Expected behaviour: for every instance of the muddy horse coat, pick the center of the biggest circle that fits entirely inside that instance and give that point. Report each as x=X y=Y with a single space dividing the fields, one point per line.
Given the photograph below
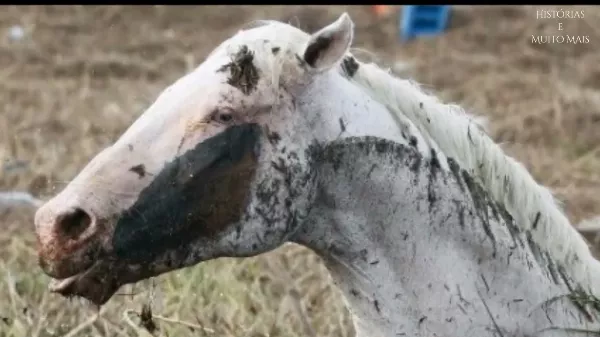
x=281 y=136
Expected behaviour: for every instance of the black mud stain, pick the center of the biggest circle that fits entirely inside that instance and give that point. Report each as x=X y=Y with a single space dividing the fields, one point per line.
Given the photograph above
x=243 y=74
x=583 y=300
x=494 y=210
x=350 y=66
x=376 y=304
x=455 y=170
x=373 y=167
x=552 y=268
x=565 y=278
x=139 y=169
x=435 y=162
x=485 y=283
x=434 y=167
x=340 y=150
x=413 y=141
x=342 y=125
x=293 y=175
x=568 y=283
x=198 y=194
x=335 y=157
x=381 y=147
x=482 y=202
x=469 y=134
x=537 y=220
x=513 y=229
x=461 y=213
x=363 y=254
x=415 y=165
x=273 y=137
x=535 y=250
x=314 y=50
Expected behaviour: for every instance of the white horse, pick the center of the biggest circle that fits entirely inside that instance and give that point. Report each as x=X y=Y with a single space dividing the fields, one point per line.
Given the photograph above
x=280 y=136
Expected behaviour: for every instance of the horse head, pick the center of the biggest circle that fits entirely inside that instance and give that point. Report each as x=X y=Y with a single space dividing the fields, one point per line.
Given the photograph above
x=221 y=164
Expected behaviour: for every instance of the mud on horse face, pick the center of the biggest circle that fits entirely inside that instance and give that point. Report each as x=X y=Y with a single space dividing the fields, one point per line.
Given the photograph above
x=222 y=164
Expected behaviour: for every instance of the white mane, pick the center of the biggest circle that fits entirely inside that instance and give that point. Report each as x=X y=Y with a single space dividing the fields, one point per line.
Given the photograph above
x=456 y=134
x=459 y=136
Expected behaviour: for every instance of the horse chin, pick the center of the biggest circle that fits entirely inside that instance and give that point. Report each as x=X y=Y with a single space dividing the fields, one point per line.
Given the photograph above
x=93 y=284
x=99 y=283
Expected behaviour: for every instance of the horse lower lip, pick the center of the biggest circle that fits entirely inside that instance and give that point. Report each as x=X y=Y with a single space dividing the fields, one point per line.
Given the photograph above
x=92 y=284
x=67 y=285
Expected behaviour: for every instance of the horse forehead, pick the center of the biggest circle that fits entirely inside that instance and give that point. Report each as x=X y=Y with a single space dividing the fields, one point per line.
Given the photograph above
x=207 y=78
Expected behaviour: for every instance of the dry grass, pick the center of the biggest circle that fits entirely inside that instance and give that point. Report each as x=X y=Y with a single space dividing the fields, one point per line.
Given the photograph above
x=81 y=75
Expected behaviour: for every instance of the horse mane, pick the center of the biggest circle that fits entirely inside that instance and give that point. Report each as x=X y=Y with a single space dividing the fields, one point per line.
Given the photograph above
x=460 y=136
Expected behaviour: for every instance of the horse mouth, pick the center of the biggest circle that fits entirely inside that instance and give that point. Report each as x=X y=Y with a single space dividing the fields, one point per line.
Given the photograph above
x=96 y=284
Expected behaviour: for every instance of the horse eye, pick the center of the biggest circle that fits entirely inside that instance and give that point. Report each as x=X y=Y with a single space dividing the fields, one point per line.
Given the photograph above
x=223 y=116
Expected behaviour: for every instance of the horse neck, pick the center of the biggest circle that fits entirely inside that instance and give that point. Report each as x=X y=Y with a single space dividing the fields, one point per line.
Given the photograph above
x=402 y=240
x=385 y=221
x=351 y=226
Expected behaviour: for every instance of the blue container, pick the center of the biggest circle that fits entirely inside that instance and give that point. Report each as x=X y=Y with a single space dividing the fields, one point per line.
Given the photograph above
x=423 y=20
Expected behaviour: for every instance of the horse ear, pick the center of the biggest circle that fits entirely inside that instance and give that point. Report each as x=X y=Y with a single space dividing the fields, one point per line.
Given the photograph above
x=329 y=45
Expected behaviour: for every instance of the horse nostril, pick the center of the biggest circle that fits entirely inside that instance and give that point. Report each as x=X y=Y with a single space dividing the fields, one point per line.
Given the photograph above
x=73 y=224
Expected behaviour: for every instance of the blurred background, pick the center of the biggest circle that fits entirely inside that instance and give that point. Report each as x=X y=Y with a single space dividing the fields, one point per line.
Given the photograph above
x=74 y=78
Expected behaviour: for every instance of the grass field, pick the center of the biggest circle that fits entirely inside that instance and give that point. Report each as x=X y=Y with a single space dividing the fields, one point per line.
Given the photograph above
x=80 y=75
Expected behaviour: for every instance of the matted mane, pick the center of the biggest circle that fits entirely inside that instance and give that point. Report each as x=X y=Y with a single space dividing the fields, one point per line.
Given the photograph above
x=459 y=136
